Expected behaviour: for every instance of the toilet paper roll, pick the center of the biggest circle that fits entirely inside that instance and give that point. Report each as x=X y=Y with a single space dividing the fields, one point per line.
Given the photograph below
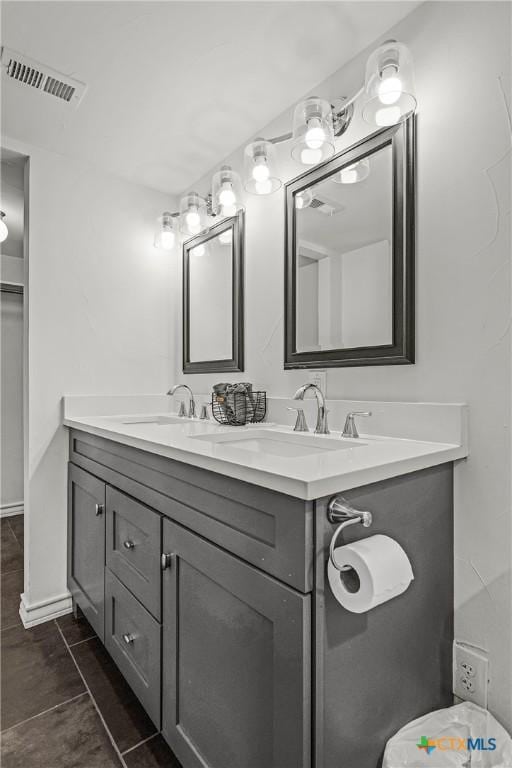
x=381 y=571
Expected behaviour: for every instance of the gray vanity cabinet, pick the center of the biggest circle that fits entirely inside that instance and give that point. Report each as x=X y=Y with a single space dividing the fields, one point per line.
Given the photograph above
x=210 y=594
x=235 y=660
x=86 y=545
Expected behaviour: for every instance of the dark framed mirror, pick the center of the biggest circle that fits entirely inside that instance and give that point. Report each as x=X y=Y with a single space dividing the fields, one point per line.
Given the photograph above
x=213 y=299
x=349 y=272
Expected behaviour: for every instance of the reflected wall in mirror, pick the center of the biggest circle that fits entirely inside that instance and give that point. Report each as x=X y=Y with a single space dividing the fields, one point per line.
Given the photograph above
x=213 y=299
x=344 y=269
x=350 y=256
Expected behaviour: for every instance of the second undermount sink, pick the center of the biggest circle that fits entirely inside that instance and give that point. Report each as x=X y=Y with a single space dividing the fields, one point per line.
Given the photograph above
x=161 y=420
x=280 y=443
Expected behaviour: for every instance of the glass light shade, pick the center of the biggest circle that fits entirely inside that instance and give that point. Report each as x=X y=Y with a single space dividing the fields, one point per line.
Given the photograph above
x=389 y=93
x=199 y=250
x=313 y=132
x=193 y=215
x=352 y=174
x=165 y=235
x=261 y=176
x=226 y=192
x=3 y=228
x=226 y=237
x=303 y=199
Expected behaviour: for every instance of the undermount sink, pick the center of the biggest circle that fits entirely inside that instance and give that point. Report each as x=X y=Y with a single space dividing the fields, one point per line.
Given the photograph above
x=280 y=443
x=161 y=420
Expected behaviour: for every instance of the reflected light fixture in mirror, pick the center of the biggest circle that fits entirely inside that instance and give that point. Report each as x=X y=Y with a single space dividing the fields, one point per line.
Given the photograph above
x=199 y=250
x=193 y=215
x=3 y=228
x=226 y=192
x=165 y=236
x=313 y=132
x=354 y=173
x=261 y=176
x=389 y=85
x=303 y=199
x=226 y=237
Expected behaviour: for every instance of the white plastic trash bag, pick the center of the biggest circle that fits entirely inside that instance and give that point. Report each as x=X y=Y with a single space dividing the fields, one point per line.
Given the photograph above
x=464 y=736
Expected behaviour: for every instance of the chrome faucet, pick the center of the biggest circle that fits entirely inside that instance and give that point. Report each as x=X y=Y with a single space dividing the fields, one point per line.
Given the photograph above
x=321 y=420
x=192 y=403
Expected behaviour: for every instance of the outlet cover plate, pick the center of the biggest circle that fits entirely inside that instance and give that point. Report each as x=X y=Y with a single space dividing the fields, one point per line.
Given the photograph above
x=320 y=379
x=470 y=673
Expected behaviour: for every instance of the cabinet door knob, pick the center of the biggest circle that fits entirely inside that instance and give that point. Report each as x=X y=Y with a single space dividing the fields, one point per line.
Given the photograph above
x=128 y=639
x=166 y=561
x=100 y=508
x=129 y=544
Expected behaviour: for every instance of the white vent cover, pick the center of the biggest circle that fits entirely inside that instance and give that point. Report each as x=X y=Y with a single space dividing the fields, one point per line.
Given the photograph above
x=32 y=74
x=326 y=205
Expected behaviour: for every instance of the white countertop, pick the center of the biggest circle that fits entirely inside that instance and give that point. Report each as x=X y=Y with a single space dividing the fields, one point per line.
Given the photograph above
x=370 y=459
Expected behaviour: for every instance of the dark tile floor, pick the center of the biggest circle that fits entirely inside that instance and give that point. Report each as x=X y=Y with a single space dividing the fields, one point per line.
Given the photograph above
x=64 y=704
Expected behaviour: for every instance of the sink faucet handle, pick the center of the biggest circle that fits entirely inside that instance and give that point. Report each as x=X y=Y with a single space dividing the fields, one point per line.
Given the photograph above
x=300 y=423
x=182 y=411
x=204 y=411
x=350 y=429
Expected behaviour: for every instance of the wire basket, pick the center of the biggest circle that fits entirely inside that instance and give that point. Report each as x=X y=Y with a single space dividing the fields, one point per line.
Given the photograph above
x=239 y=408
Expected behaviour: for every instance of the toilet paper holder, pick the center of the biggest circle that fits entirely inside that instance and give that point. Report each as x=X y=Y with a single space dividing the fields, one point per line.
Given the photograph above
x=341 y=512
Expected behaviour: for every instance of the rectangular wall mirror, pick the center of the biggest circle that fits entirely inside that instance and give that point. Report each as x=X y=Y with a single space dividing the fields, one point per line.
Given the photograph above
x=350 y=256
x=213 y=332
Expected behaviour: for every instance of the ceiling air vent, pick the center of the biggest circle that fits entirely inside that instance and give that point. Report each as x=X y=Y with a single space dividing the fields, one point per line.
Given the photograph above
x=32 y=74
x=326 y=205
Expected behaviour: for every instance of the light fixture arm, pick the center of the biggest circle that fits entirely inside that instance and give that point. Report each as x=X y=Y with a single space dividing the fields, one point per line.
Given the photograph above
x=341 y=117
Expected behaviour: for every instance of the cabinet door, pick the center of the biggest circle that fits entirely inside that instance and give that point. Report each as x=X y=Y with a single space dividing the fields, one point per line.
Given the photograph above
x=86 y=545
x=236 y=661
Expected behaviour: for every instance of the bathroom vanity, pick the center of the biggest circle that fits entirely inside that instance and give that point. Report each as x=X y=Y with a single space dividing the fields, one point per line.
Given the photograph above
x=210 y=594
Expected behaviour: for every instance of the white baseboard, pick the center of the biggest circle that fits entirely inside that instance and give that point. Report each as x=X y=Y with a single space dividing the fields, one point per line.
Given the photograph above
x=8 y=510
x=45 y=610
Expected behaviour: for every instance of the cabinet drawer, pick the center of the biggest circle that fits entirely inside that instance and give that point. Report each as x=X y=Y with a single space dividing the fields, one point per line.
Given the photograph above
x=132 y=637
x=133 y=547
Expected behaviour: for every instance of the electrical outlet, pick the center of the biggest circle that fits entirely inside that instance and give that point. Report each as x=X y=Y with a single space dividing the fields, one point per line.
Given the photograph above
x=320 y=379
x=470 y=673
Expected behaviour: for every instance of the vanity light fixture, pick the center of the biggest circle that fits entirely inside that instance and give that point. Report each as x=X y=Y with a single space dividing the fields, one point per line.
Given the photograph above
x=313 y=131
x=3 y=228
x=303 y=199
x=165 y=236
x=260 y=168
x=193 y=214
x=389 y=85
x=387 y=97
x=226 y=192
x=354 y=173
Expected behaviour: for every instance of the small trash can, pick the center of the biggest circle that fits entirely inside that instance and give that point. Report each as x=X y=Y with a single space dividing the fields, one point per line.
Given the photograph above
x=463 y=736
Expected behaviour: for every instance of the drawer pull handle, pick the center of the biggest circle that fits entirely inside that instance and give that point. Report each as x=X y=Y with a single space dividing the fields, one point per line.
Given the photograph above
x=129 y=544
x=128 y=639
x=166 y=561
x=100 y=508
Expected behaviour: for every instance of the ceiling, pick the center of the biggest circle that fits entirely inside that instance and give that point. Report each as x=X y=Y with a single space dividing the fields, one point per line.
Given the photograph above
x=173 y=87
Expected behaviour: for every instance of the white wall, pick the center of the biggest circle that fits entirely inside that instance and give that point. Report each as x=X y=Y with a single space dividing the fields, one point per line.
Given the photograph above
x=99 y=322
x=462 y=56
